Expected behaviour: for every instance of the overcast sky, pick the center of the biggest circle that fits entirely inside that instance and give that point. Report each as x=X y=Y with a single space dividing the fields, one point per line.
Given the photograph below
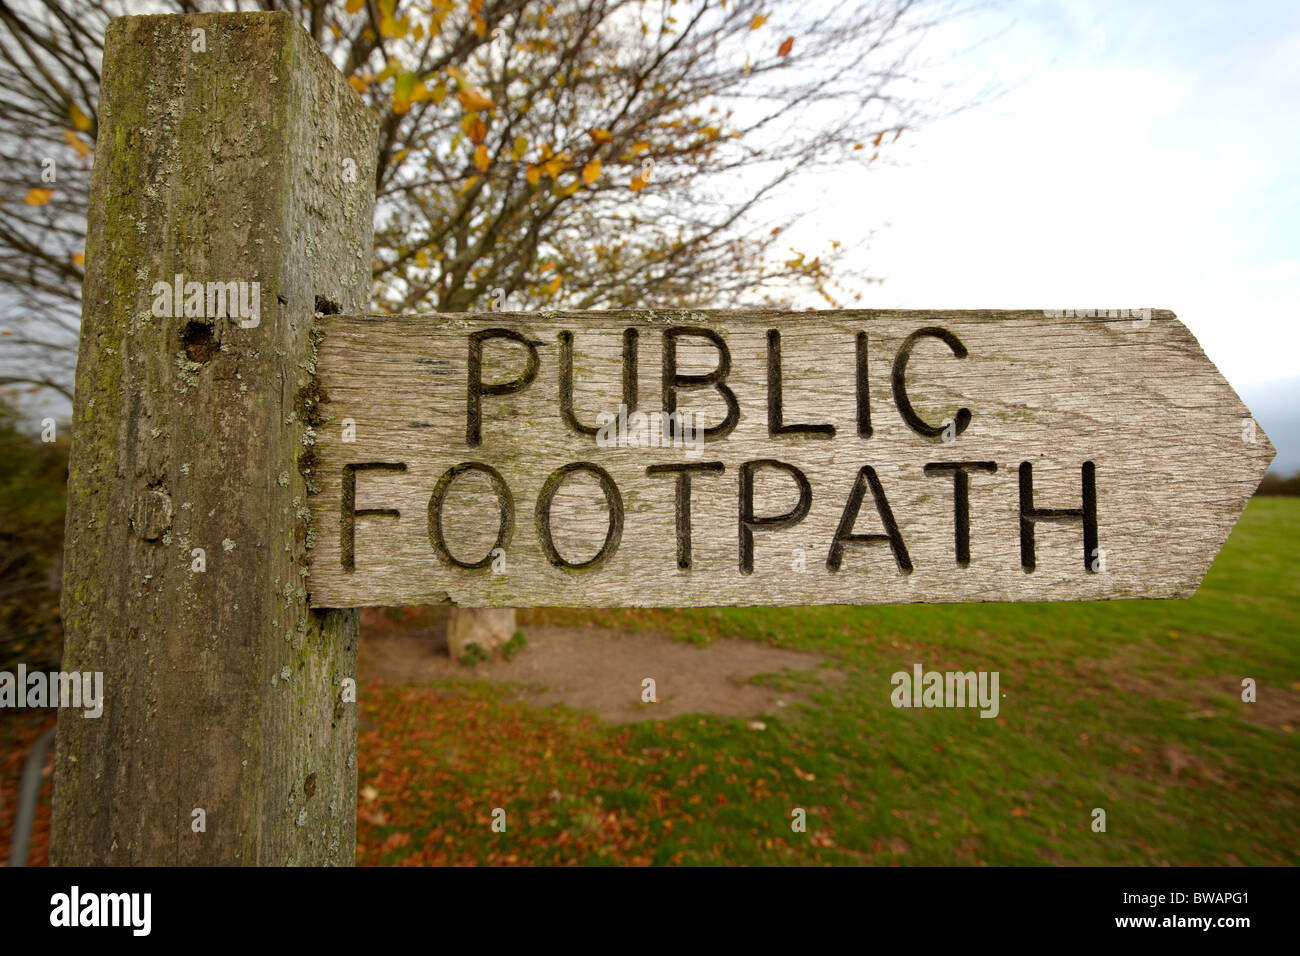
x=1142 y=154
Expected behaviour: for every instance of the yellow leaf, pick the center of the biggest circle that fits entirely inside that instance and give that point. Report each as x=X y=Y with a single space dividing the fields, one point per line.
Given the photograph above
x=439 y=92
x=638 y=148
x=334 y=29
x=422 y=259
x=556 y=165
x=601 y=135
x=472 y=101
x=546 y=268
x=79 y=119
x=533 y=174
x=638 y=183
x=358 y=83
x=474 y=7
x=521 y=147
x=786 y=47
x=76 y=143
x=354 y=5
x=38 y=197
x=394 y=29
x=555 y=284
x=469 y=184
x=420 y=93
x=757 y=22
x=480 y=27
x=456 y=73
x=591 y=172
x=78 y=259
x=481 y=160
x=478 y=130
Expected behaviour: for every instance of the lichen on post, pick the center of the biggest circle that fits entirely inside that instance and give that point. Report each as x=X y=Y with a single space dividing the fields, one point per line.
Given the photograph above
x=231 y=201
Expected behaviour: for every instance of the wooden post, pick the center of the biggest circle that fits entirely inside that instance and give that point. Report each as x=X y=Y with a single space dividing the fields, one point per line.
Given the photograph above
x=488 y=627
x=231 y=154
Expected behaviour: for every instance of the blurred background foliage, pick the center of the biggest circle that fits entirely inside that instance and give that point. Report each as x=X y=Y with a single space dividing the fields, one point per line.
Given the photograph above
x=32 y=497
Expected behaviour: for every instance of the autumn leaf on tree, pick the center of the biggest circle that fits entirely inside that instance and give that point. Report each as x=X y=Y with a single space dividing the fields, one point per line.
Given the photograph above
x=601 y=135
x=757 y=22
x=481 y=160
x=394 y=29
x=591 y=172
x=76 y=143
x=473 y=100
x=403 y=87
x=38 y=197
x=353 y=6
x=556 y=165
x=79 y=119
x=786 y=47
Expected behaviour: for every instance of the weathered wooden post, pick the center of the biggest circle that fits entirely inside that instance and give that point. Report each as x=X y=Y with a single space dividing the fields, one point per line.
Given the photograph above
x=232 y=198
x=489 y=628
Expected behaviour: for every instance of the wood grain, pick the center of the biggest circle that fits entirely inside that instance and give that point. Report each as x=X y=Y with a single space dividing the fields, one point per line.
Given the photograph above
x=222 y=685
x=1164 y=433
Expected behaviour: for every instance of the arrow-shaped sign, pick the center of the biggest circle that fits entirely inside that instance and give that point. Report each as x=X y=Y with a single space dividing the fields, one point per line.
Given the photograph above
x=676 y=458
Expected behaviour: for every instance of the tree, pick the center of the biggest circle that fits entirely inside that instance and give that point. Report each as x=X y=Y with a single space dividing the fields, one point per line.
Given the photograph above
x=575 y=153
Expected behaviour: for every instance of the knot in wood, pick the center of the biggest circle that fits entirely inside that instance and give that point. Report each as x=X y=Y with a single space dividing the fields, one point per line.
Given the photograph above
x=151 y=515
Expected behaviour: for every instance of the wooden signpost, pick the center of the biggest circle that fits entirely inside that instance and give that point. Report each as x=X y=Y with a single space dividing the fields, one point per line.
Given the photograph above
x=817 y=458
x=240 y=477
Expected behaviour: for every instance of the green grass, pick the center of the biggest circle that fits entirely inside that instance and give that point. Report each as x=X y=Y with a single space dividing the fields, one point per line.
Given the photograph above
x=1133 y=707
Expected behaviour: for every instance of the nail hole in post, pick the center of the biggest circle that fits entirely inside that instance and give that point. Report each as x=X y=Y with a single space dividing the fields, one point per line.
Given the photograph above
x=199 y=342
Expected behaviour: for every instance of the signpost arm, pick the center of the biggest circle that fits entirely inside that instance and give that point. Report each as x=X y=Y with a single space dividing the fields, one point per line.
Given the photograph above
x=231 y=200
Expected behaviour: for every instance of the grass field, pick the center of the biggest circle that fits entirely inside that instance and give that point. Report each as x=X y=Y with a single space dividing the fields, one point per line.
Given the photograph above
x=1131 y=707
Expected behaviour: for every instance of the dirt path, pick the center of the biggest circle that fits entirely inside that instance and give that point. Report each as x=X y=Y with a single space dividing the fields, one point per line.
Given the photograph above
x=602 y=670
